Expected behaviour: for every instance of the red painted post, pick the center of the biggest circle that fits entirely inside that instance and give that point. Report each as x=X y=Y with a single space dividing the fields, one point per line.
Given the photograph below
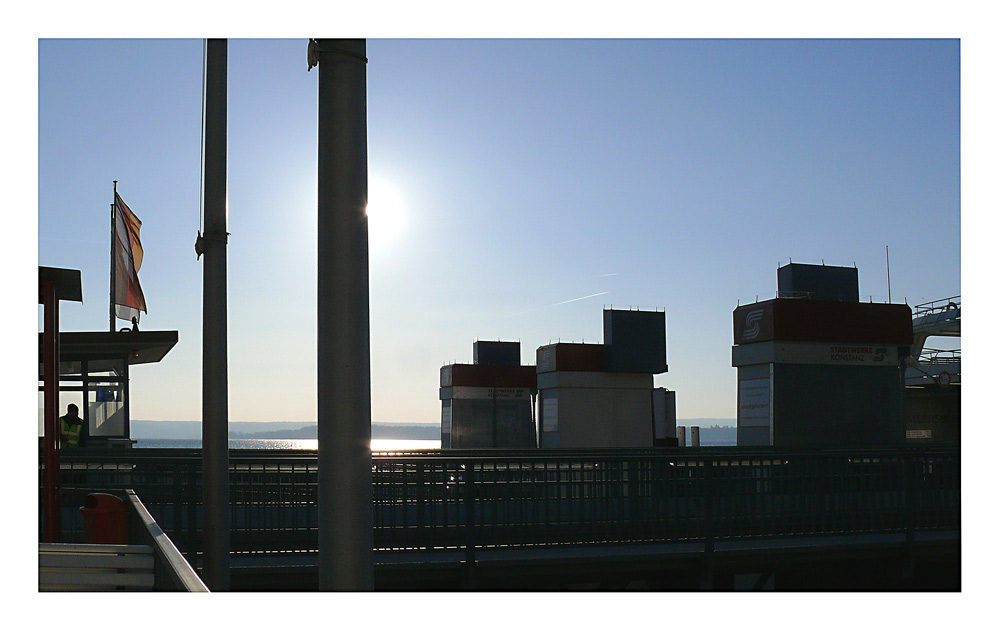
x=50 y=359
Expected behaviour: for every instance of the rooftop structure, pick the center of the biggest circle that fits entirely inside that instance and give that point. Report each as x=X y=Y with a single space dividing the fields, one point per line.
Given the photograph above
x=602 y=395
x=818 y=282
x=820 y=372
x=488 y=404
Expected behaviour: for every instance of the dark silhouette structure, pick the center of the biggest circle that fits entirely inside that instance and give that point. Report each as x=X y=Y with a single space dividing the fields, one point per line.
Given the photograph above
x=215 y=370
x=342 y=337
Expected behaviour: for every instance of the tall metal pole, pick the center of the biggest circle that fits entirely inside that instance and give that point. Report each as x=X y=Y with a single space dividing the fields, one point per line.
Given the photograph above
x=888 y=281
x=346 y=560
x=50 y=357
x=215 y=377
x=114 y=234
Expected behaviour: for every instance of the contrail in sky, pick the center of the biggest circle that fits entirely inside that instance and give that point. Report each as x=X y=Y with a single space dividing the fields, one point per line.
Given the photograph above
x=575 y=299
x=603 y=275
x=556 y=304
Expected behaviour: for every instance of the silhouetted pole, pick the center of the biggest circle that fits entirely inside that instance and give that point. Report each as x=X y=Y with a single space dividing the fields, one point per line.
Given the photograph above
x=50 y=359
x=346 y=560
x=215 y=375
x=888 y=280
x=111 y=307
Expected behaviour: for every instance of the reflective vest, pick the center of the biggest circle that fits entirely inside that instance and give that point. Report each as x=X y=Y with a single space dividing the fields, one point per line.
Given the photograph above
x=70 y=433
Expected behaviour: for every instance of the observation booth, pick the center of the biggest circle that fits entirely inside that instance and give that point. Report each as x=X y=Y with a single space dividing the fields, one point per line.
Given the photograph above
x=93 y=373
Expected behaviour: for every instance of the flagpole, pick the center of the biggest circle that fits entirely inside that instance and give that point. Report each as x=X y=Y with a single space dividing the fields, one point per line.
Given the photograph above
x=111 y=306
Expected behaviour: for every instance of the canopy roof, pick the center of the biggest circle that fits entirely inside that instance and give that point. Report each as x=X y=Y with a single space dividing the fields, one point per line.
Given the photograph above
x=139 y=347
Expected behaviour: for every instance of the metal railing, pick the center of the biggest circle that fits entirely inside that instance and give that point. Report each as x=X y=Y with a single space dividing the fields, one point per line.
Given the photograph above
x=936 y=306
x=940 y=356
x=468 y=499
x=171 y=571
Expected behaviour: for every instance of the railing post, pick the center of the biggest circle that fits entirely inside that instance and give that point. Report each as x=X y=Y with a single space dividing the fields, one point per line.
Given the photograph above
x=708 y=497
x=631 y=494
x=176 y=474
x=469 y=489
x=909 y=492
x=193 y=493
x=421 y=507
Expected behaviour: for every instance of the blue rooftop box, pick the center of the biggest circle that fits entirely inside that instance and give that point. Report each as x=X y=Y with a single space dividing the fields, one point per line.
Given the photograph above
x=635 y=341
x=496 y=353
x=818 y=282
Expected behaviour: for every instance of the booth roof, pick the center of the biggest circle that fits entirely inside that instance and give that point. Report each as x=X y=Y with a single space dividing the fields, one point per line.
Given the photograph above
x=140 y=347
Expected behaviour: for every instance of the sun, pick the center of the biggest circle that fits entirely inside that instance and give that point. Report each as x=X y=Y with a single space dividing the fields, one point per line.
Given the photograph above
x=386 y=215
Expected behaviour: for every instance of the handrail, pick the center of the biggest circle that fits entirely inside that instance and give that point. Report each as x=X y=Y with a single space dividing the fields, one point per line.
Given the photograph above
x=940 y=356
x=942 y=304
x=170 y=564
x=450 y=498
x=192 y=455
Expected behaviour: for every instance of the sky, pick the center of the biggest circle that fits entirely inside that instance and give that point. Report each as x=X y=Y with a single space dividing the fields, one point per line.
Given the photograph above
x=517 y=188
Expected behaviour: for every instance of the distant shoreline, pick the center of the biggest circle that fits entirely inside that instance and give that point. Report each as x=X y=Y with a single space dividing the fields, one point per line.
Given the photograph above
x=179 y=430
x=712 y=429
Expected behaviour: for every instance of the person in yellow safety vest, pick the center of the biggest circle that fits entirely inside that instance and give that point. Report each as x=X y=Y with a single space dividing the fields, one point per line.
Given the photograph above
x=70 y=426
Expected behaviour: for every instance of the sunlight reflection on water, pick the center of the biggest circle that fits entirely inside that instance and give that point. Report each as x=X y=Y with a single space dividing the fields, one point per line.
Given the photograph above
x=378 y=444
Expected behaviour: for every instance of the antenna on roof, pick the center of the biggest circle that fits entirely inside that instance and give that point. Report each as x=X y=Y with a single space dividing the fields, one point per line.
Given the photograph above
x=887 y=281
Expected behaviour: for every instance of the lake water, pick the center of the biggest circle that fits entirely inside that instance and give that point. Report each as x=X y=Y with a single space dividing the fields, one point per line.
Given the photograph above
x=378 y=444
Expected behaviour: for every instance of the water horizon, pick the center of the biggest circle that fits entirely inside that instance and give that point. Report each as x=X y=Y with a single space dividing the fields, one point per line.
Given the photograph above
x=307 y=444
x=377 y=444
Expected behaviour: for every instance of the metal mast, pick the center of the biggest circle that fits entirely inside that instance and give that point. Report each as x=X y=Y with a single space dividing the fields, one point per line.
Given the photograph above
x=215 y=376
x=114 y=234
x=346 y=560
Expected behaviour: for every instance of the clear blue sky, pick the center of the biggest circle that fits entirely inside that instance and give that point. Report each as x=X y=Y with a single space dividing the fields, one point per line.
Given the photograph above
x=506 y=176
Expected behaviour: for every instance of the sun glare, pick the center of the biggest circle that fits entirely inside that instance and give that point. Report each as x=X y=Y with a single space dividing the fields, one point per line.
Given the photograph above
x=386 y=215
